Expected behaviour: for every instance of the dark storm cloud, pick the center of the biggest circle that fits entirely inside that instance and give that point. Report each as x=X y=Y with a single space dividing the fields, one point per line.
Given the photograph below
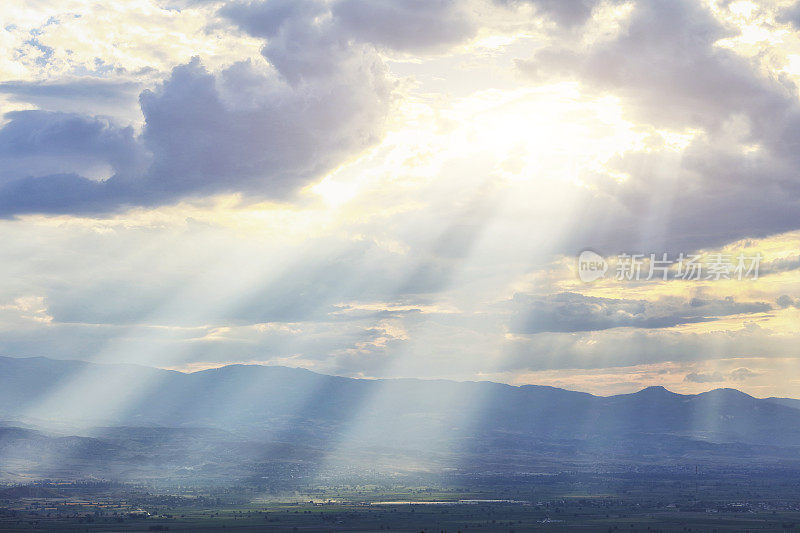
x=572 y=312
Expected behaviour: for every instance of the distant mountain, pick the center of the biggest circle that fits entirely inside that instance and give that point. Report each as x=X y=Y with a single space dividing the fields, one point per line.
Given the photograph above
x=249 y=414
x=788 y=402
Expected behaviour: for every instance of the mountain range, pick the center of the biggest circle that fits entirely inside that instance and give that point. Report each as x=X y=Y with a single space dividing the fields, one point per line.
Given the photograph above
x=127 y=420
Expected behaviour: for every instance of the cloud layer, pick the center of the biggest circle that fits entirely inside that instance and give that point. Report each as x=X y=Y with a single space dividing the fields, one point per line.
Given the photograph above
x=571 y=312
x=400 y=188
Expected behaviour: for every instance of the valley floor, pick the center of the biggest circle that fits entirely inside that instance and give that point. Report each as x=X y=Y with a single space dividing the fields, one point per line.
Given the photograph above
x=637 y=507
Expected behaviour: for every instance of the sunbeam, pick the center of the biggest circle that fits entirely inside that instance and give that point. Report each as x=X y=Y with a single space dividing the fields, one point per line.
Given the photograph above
x=364 y=265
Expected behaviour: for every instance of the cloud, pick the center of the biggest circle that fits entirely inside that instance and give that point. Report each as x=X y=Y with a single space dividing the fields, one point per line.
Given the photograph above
x=790 y=14
x=572 y=312
x=406 y=25
x=737 y=374
x=442 y=219
x=627 y=346
x=242 y=130
x=700 y=377
x=93 y=96
x=247 y=131
x=670 y=73
x=668 y=69
x=264 y=131
x=36 y=143
x=785 y=264
x=58 y=193
x=742 y=374
x=566 y=13
x=400 y=25
x=785 y=301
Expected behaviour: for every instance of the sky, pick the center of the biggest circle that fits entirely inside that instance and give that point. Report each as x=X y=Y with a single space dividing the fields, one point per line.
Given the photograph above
x=405 y=188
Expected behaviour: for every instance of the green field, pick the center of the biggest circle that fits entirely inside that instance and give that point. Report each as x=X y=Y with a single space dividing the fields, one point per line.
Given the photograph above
x=575 y=506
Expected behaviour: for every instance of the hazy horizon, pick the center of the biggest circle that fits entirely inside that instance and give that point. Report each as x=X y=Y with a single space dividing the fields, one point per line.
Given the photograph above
x=267 y=365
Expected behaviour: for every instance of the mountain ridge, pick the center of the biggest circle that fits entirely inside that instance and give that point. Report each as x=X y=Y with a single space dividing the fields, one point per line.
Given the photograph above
x=128 y=418
x=650 y=389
